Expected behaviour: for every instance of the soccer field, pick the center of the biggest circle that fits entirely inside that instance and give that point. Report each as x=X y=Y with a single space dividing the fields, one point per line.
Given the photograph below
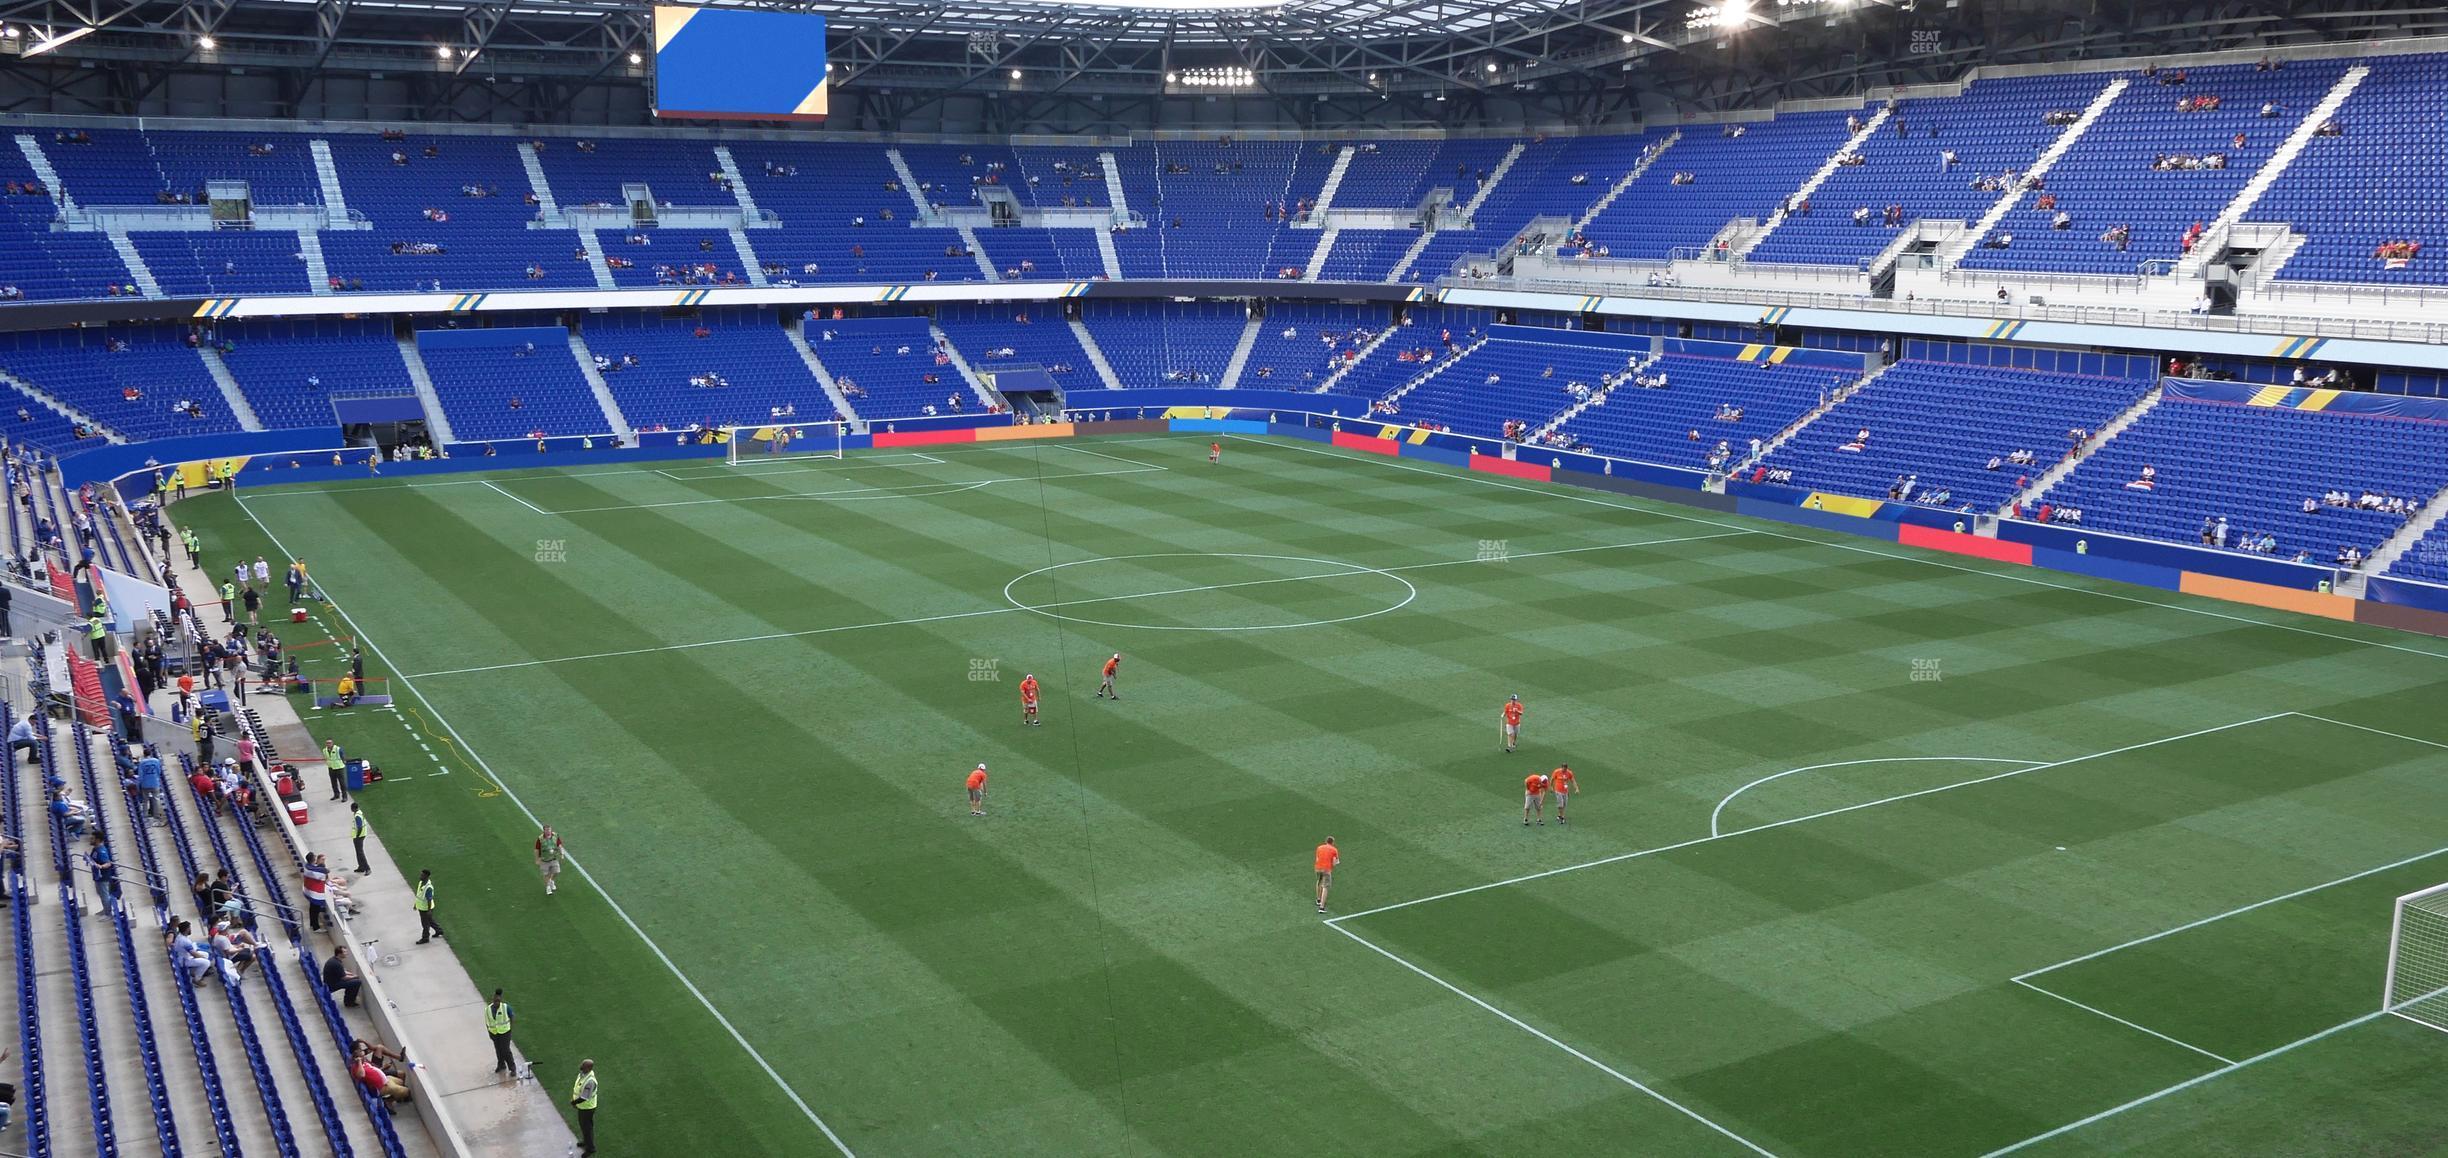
x=1881 y=852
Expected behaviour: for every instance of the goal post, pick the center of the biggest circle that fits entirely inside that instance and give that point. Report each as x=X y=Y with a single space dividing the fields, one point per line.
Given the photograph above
x=775 y=441
x=2417 y=985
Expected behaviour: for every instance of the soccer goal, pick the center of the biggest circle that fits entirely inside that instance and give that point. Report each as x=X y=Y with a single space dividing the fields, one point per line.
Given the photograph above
x=2417 y=987
x=774 y=441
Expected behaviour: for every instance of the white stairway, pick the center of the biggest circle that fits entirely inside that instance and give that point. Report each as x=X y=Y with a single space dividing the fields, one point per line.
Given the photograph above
x=1334 y=181
x=797 y=337
x=243 y=410
x=1617 y=190
x=58 y=407
x=1366 y=348
x=1240 y=355
x=1496 y=176
x=1402 y=265
x=1110 y=256
x=327 y=173
x=318 y=272
x=1113 y=186
x=435 y=420
x=977 y=253
x=1317 y=259
x=751 y=266
x=539 y=184
x=1096 y=355
x=2386 y=554
x=739 y=184
x=40 y=162
x=2272 y=169
x=138 y=271
x=1597 y=397
x=909 y=185
x=595 y=259
x=614 y=420
x=2056 y=473
x=1811 y=185
x=1971 y=236
x=977 y=385
x=1397 y=394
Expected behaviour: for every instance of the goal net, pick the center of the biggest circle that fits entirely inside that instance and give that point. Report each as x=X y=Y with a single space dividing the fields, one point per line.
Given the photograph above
x=781 y=440
x=2417 y=987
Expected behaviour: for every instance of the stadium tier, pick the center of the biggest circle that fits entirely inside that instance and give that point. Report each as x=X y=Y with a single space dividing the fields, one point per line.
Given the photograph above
x=2212 y=453
x=1962 y=434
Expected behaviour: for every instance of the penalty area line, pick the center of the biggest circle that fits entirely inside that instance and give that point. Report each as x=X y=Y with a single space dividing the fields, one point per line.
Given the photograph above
x=1793 y=820
x=1550 y=1039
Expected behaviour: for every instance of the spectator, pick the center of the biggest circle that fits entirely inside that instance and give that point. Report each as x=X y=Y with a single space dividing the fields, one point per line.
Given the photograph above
x=186 y=954
x=339 y=978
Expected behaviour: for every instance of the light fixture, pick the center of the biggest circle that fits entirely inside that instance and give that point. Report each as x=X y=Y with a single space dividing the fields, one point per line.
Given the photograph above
x=1627 y=38
x=8 y=32
x=207 y=43
x=1491 y=66
x=634 y=58
x=1172 y=78
x=443 y=51
x=1372 y=78
x=1727 y=14
x=1230 y=77
x=1015 y=74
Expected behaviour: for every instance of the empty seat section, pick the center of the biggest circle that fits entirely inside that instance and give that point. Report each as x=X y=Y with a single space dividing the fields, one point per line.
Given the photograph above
x=725 y=368
x=2108 y=177
x=1945 y=423
x=1168 y=343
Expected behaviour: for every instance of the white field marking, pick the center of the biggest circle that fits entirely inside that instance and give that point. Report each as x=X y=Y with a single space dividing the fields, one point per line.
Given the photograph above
x=274 y=490
x=2374 y=731
x=514 y=498
x=1926 y=560
x=2234 y=912
x=1046 y=609
x=1729 y=797
x=1542 y=1035
x=851 y=494
x=573 y=861
x=857 y=493
x=741 y=469
x=925 y=619
x=2221 y=1072
x=1637 y=854
x=2128 y=1024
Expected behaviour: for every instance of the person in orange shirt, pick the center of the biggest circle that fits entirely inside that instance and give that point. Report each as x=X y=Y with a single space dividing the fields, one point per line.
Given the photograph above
x=1028 y=699
x=1512 y=723
x=1105 y=688
x=977 y=791
x=1561 y=783
x=1215 y=452
x=1534 y=798
x=1328 y=856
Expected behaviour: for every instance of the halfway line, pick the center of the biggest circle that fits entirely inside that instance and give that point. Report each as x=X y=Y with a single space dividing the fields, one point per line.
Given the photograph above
x=769 y=637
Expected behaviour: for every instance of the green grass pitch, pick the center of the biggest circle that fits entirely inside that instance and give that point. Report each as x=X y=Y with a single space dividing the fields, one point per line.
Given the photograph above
x=1880 y=852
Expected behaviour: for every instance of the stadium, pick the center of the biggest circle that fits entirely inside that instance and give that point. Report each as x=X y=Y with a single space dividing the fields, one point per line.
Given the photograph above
x=877 y=577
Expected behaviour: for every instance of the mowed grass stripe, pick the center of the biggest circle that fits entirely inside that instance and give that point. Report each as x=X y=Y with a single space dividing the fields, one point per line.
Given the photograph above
x=1897 y=892
x=1682 y=667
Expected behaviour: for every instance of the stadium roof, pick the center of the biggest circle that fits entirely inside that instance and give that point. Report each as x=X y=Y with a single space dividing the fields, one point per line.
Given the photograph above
x=1002 y=66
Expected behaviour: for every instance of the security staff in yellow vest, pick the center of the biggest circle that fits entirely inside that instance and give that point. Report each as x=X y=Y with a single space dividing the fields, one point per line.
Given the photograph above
x=427 y=930
x=497 y=1025
x=582 y=1098
x=97 y=632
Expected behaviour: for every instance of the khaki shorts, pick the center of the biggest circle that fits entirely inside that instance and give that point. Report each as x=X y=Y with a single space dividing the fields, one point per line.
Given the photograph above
x=1325 y=876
